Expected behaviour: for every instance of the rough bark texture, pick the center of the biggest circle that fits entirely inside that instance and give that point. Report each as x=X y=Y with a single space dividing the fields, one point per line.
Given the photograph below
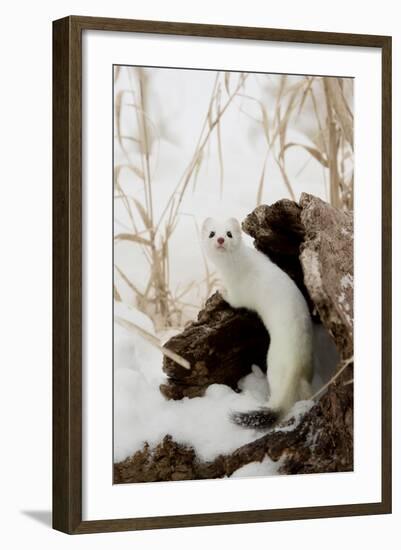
x=313 y=243
x=221 y=347
x=171 y=461
x=327 y=264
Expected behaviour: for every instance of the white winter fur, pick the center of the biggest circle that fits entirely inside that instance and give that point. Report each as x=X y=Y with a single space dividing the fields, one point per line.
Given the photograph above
x=254 y=282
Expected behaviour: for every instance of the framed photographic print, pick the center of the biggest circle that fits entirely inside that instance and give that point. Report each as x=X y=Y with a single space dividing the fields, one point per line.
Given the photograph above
x=222 y=274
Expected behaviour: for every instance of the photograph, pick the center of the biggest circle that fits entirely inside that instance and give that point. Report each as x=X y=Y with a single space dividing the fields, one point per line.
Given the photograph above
x=232 y=274
x=203 y=209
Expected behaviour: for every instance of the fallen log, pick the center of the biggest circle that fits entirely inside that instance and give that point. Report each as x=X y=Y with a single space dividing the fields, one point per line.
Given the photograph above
x=221 y=346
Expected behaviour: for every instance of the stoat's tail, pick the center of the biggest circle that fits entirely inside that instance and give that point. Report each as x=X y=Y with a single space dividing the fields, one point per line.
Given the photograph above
x=260 y=419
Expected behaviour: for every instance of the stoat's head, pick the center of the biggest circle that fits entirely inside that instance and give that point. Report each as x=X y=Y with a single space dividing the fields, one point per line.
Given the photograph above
x=221 y=237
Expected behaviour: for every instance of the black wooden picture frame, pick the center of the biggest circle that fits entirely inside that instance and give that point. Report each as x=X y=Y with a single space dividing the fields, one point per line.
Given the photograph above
x=67 y=273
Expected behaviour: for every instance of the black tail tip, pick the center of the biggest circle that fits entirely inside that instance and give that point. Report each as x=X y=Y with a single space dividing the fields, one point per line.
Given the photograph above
x=260 y=419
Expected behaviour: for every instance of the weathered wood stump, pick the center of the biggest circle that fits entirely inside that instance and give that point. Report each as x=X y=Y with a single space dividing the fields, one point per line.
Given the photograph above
x=327 y=263
x=313 y=243
x=221 y=346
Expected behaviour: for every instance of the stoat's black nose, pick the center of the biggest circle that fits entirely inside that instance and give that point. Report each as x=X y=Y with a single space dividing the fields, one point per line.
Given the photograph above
x=220 y=240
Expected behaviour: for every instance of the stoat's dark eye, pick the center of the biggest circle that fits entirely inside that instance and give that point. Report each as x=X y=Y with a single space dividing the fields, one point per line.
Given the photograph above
x=229 y=234
x=211 y=234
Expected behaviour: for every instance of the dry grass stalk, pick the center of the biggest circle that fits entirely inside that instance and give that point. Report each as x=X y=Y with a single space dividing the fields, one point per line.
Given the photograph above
x=155 y=244
x=154 y=341
x=340 y=132
x=332 y=148
x=333 y=138
x=345 y=364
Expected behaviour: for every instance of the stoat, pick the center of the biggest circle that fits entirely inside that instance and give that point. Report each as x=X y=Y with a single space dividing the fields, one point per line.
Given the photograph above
x=254 y=282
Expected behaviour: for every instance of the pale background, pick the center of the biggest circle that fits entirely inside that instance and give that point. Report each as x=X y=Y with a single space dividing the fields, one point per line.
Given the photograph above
x=26 y=270
x=241 y=163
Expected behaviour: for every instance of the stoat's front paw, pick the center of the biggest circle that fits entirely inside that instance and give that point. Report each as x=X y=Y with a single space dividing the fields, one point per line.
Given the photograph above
x=224 y=294
x=227 y=298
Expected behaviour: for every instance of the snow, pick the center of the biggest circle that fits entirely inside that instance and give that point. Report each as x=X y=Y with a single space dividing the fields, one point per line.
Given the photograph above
x=296 y=414
x=254 y=469
x=347 y=281
x=132 y=352
x=142 y=414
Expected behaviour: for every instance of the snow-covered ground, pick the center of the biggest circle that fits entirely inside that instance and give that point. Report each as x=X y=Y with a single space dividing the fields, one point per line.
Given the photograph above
x=142 y=414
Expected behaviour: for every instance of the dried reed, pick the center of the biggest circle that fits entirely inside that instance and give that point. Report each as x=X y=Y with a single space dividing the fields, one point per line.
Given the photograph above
x=323 y=100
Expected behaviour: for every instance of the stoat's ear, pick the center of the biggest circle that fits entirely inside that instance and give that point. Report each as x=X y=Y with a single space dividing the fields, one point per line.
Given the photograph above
x=234 y=225
x=206 y=225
